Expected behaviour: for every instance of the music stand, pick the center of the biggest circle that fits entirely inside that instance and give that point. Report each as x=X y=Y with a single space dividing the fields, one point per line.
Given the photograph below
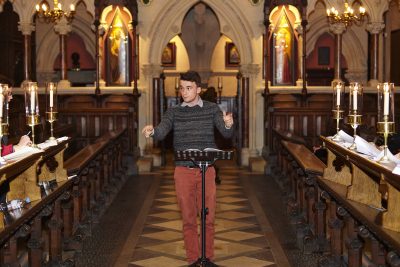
x=203 y=159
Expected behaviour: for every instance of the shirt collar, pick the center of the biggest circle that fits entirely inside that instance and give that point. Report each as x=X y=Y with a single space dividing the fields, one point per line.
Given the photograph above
x=199 y=103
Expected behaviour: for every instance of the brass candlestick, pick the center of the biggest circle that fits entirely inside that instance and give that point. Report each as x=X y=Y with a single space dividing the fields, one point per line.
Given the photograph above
x=31 y=107
x=355 y=109
x=337 y=115
x=338 y=95
x=32 y=121
x=219 y=90
x=51 y=106
x=385 y=123
x=354 y=120
x=51 y=116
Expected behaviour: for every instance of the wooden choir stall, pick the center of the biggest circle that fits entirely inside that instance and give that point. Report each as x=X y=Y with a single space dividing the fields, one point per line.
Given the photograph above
x=346 y=209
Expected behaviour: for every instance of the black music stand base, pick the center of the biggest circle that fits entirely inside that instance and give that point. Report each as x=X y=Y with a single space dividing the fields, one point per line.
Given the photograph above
x=203 y=261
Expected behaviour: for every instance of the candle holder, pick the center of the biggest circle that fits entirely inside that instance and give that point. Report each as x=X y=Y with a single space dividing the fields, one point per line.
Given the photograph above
x=338 y=96
x=385 y=123
x=355 y=109
x=51 y=107
x=31 y=107
x=4 y=91
x=219 y=90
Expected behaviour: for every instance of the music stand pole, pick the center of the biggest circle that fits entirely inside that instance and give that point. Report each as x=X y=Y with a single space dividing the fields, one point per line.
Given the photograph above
x=204 y=211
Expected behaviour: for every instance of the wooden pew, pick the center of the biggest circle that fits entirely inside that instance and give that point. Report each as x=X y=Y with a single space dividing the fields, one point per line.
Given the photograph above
x=338 y=215
x=57 y=222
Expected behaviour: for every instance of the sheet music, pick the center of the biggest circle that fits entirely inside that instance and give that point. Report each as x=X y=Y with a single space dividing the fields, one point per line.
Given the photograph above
x=22 y=153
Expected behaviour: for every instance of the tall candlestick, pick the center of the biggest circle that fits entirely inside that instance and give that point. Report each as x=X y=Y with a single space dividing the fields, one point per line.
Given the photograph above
x=355 y=92
x=51 y=96
x=386 y=99
x=32 y=100
x=338 y=91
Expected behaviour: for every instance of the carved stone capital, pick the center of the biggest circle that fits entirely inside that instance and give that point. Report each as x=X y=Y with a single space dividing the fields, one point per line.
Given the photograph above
x=250 y=69
x=337 y=28
x=299 y=29
x=152 y=70
x=375 y=27
x=26 y=27
x=62 y=27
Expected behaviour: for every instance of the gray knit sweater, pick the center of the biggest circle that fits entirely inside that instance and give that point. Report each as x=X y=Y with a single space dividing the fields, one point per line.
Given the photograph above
x=193 y=126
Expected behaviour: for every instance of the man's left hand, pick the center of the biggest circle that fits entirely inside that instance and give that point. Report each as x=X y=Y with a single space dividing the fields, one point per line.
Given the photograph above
x=228 y=119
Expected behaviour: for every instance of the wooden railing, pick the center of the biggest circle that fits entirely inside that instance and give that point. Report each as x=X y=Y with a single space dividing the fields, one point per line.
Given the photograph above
x=71 y=197
x=348 y=209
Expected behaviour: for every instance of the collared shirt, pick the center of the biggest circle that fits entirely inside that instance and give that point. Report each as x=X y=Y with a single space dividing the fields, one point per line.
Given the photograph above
x=199 y=103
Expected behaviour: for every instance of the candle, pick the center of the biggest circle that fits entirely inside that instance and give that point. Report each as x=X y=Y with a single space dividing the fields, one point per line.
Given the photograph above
x=51 y=95
x=1 y=105
x=338 y=91
x=176 y=83
x=219 y=82
x=385 y=99
x=355 y=91
x=32 y=100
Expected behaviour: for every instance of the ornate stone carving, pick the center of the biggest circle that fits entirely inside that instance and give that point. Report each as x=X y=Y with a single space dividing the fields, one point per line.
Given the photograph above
x=337 y=28
x=375 y=27
x=26 y=27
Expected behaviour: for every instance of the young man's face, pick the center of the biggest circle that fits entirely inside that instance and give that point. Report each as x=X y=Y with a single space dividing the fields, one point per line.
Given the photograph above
x=189 y=92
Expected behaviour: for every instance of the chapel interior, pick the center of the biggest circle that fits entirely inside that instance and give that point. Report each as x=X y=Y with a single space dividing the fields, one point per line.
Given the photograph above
x=312 y=177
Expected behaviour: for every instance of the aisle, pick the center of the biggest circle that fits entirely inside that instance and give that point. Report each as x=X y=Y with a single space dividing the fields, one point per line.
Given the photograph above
x=243 y=233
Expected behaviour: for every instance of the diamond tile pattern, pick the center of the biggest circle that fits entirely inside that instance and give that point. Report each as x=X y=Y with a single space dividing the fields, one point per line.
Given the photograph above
x=239 y=240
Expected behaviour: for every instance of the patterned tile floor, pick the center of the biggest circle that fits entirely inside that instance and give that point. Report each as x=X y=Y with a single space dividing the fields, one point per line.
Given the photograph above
x=240 y=239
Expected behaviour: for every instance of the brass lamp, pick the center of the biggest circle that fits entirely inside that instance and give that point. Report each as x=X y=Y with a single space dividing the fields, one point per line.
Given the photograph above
x=31 y=107
x=51 y=106
x=337 y=103
x=4 y=91
x=385 y=114
x=355 y=108
x=347 y=17
x=44 y=11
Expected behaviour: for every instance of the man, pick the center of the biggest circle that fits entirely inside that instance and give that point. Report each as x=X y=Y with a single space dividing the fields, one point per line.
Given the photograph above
x=193 y=124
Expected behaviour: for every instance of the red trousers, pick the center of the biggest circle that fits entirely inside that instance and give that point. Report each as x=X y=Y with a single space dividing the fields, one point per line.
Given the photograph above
x=188 y=193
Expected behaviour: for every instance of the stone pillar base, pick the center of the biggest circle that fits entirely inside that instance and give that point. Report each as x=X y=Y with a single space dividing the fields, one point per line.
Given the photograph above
x=373 y=83
x=102 y=83
x=63 y=84
x=245 y=156
x=257 y=164
x=299 y=83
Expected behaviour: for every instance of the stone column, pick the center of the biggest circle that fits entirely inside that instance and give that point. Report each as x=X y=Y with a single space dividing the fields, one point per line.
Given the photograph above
x=27 y=28
x=146 y=107
x=374 y=28
x=300 y=69
x=62 y=27
x=250 y=72
x=134 y=65
x=338 y=30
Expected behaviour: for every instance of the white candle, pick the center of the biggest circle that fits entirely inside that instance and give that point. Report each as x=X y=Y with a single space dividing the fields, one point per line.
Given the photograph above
x=386 y=99
x=51 y=96
x=338 y=95
x=33 y=100
x=1 y=105
x=219 y=82
x=355 y=97
x=176 y=82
